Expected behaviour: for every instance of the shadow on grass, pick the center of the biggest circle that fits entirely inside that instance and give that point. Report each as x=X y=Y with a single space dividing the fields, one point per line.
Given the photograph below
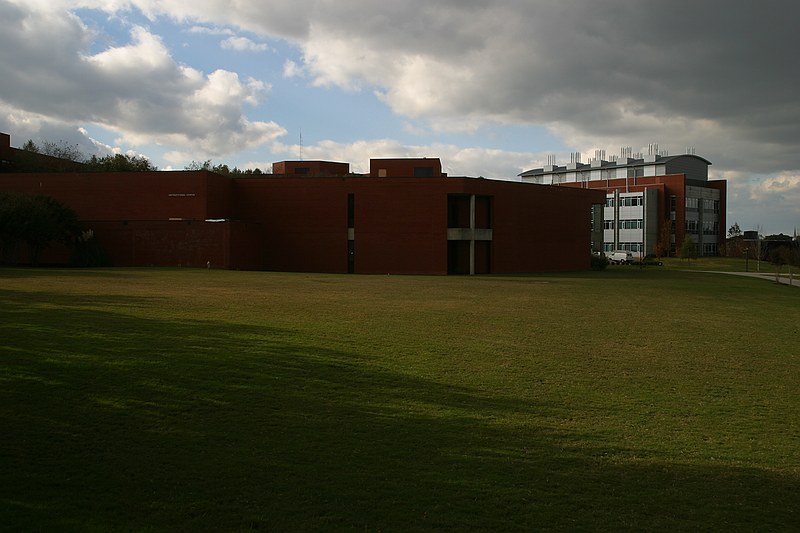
x=45 y=272
x=116 y=422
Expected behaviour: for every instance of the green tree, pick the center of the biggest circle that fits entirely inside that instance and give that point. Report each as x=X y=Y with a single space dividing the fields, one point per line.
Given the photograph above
x=120 y=163
x=223 y=169
x=30 y=146
x=11 y=214
x=735 y=230
x=37 y=221
x=198 y=165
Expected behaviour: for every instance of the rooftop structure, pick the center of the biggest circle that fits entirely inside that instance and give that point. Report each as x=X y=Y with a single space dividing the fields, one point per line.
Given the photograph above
x=694 y=167
x=654 y=202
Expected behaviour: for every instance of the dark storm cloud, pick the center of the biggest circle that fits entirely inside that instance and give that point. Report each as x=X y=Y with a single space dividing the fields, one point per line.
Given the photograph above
x=609 y=68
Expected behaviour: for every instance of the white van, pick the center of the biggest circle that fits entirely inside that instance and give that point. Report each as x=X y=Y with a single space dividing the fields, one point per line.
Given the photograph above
x=621 y=257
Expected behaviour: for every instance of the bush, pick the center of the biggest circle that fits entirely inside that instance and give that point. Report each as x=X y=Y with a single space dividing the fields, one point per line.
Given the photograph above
x=89 y=252
x=599 y=262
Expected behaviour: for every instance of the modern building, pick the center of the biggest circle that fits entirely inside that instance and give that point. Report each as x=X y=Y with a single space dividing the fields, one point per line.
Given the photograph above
x=405 y=217
x=652 y=200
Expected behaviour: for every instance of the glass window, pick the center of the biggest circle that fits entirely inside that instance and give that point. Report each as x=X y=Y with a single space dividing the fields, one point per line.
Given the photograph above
x=635 y=172
x=630 y=201
x=631 y=246
x=631 y=224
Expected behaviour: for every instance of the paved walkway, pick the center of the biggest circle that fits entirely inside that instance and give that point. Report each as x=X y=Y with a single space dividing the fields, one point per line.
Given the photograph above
x=770 y=277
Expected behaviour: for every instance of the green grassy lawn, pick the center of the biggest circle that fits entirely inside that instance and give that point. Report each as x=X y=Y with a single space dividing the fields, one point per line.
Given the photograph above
x=628 y=399
x=727 y=264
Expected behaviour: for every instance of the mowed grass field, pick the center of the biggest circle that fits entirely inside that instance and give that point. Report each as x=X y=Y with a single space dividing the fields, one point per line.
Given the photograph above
x=197 y=400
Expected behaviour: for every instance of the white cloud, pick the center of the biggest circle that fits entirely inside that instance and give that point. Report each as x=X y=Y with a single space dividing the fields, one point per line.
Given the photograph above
x=671 y=70
x=243 y=44
x=769 y=202
x=456 y=160
x=208 y=30
x=146 y=53
x=596 y=73
x=136 y=89
x=292 y=69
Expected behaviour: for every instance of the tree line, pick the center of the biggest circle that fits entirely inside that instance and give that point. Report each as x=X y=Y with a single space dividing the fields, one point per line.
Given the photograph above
x=223 y=169
x=62 y=157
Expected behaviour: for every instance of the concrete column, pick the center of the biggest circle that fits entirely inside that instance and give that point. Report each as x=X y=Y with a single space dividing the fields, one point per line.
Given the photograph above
x=472 y=235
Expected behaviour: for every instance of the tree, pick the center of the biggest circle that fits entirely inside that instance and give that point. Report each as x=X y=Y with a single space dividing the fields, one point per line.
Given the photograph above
x=30 y=146
x=778 y=237
x=11 y=214
x=197 y=165
x=62 y=150
x=664 y=239
x=36 y=220
x=89 y=252
x=47 y=157
x=120 y=163
x=223 y=169
x=734 y=230
x=794 y=259
x=779 y=256
x=688 y=249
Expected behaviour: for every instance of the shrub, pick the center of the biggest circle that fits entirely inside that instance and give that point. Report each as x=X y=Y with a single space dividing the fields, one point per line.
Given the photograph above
x=599 y=262
x=89 y=252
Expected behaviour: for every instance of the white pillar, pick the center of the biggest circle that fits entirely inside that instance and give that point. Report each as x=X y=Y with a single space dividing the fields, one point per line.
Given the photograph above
x=472 y=235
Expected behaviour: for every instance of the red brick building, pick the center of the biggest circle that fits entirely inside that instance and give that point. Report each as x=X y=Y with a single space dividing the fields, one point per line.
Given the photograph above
x=338 y=223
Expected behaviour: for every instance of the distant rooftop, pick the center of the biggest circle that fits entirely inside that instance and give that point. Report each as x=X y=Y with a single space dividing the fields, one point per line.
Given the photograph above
x=613 y=162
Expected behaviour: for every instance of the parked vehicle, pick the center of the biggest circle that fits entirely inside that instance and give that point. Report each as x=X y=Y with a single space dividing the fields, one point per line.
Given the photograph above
x=621 y=257
x=651 y=260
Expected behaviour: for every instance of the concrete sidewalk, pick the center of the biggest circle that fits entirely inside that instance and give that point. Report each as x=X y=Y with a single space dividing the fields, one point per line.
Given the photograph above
x=784 y=279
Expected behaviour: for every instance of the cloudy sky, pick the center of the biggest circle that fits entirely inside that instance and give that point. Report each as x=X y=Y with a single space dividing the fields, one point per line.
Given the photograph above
x=491 y=87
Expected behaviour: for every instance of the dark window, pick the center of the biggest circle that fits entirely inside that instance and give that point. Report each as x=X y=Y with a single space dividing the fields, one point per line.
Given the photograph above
x=302 y=170
x=483 y=212
x=351 y=210
x=457 y=211
x=423 y=172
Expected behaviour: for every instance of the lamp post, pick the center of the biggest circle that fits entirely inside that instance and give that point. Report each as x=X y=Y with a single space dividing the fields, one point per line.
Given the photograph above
x=746 y=257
